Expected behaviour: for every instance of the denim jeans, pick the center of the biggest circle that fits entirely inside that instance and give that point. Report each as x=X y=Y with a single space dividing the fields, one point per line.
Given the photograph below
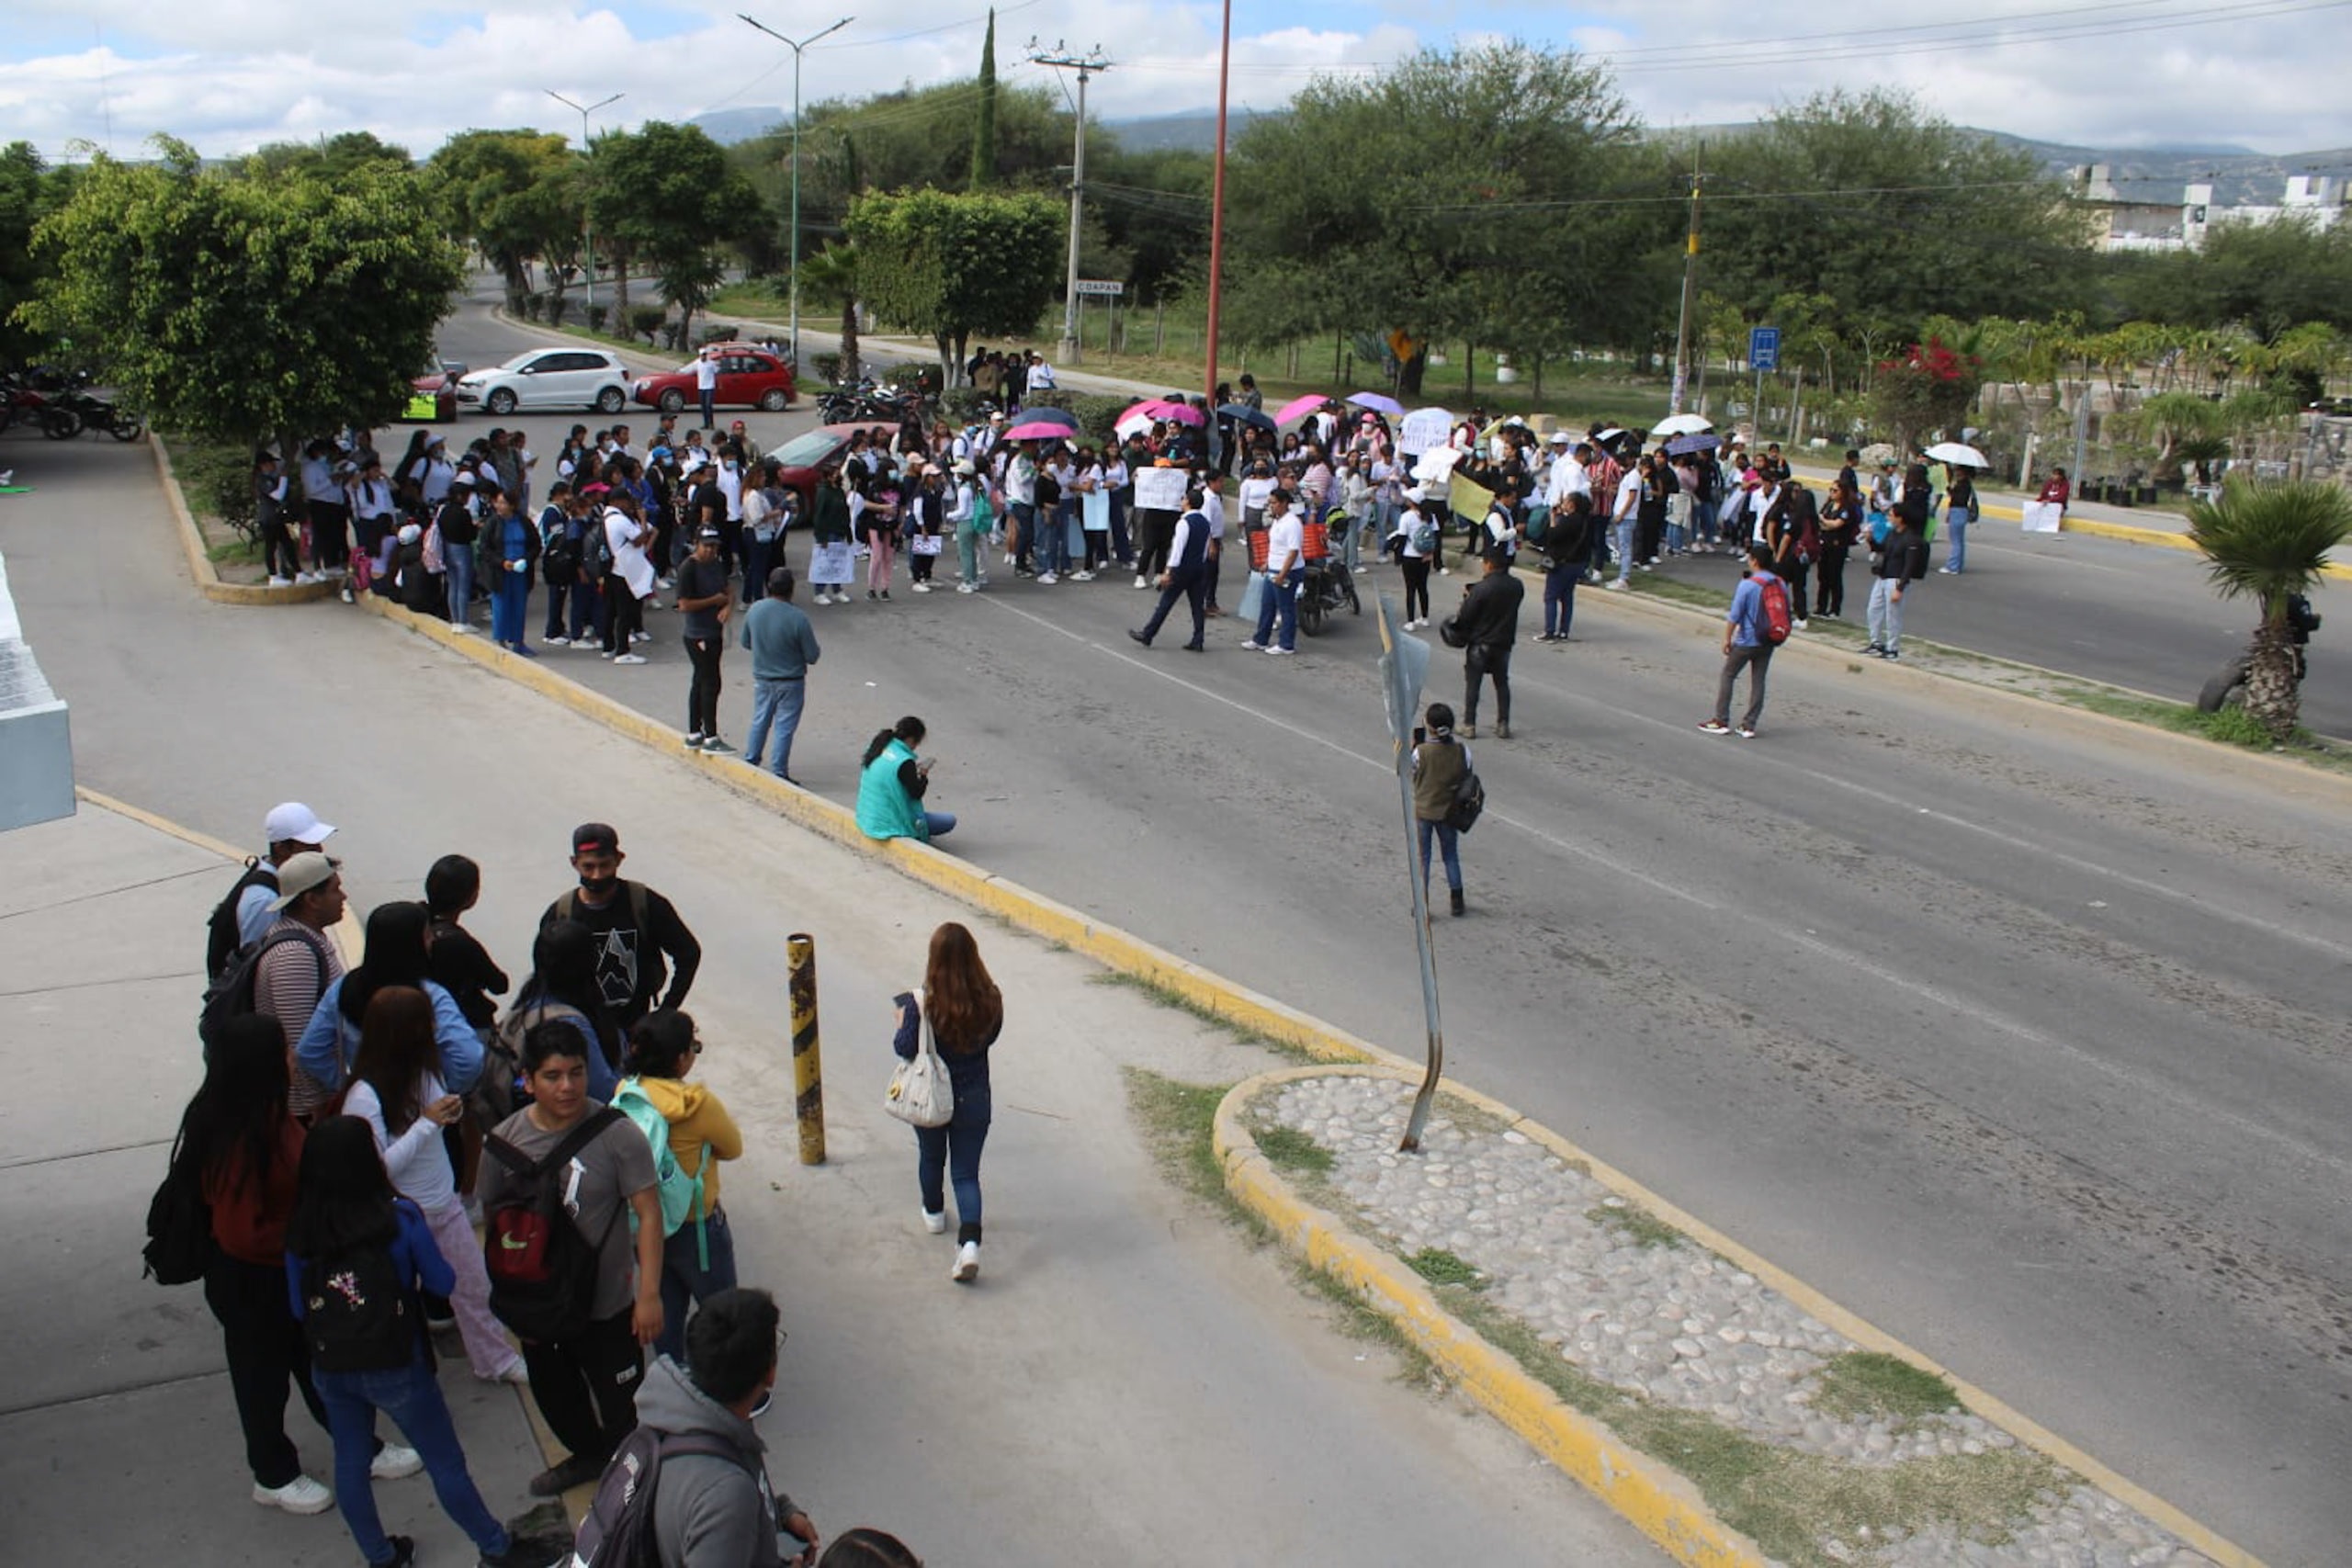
x=686 y=1280
x=457 y=569
x=1560 y=598
x=954 y=1152
x=589 y=613
x=942 y=823
x=776 y=715
x=758 y=555
x=1054 y=540
x=412 y=1399
x=1956 y=559
x=1280 y=603
x=1885 y=614
x=1449 y=850
x=1622 y=535
x=1025 y=529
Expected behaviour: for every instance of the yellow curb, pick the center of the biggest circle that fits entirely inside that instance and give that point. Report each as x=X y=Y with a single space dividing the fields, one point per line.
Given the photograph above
x=1647 y=1494
x=199 y=565
x=1324 y=1241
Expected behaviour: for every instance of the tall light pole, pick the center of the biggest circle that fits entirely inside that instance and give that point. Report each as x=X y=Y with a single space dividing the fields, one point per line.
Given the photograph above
x=1085 y=67
x=587 y=223
x=795 y=244
x=1689 y=289
x=1217 y=221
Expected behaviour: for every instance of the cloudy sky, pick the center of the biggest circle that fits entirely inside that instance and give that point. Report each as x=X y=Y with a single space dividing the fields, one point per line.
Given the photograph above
x=231 y=74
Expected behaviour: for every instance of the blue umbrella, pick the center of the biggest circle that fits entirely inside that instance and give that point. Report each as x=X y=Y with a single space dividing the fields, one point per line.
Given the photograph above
x=1052 y=416
x=1379 y=403
x=1245 y=414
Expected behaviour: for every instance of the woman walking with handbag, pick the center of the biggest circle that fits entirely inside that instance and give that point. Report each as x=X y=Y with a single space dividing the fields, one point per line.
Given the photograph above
x=961 y=1010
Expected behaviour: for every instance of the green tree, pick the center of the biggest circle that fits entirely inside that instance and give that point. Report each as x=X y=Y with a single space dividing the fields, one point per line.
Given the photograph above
x=832 y=275
x=29 y=191
x=238 y=304
x=333 y=157
x=2268 y=543
x=952 y=265
x=512 y=193
x=1893 y=214
x=984 y=114
x=669 y=195
x=1926 y=390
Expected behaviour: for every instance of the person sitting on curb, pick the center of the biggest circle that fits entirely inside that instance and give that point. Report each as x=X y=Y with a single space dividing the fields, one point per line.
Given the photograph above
x=891 y=791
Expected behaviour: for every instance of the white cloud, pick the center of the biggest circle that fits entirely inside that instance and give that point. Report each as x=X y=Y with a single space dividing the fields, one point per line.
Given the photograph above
x=231 y=74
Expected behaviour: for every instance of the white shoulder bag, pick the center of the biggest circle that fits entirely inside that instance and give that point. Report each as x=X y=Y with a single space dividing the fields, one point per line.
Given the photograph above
x=920 y=1091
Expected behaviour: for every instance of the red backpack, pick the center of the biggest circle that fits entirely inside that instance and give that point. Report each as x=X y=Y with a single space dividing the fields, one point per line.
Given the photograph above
x=1772 y=611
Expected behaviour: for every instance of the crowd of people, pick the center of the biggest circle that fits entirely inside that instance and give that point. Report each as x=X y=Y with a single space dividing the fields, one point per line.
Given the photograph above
x=355 y=1128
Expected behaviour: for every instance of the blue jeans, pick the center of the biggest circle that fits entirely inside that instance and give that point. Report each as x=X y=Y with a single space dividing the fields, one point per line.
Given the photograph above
x=1449 y=851
x=1280 y=599
x=1622 y=534
x=686 y=1280
x=1560 y=598
x=709 y=397
x=954 y=1152
x=776 y=706
x=509 y=606
x=1024 y=521
x=457 y=569
x=413 y=1400
x=758 y=556
x=942 y=823
x=1054 y=539
x=1956 y=559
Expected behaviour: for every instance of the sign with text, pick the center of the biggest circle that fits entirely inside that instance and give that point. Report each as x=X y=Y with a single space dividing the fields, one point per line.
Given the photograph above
x=1102 y=288
x=1764 y=348
x=1424 y=430
x=1160 y=489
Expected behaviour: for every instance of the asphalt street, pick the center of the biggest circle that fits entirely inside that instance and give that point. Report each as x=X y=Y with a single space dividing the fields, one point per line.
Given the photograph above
x=2023 y=1036
x=1130 y=1380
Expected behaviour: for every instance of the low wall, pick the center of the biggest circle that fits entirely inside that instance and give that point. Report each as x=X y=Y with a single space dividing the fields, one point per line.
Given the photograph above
x=36 y=741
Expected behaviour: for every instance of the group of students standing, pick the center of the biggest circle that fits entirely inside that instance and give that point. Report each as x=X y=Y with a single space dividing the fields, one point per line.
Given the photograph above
x=352 y=1128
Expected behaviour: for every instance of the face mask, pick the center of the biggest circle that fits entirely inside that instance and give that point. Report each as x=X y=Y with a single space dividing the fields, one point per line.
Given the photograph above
x=598 y=887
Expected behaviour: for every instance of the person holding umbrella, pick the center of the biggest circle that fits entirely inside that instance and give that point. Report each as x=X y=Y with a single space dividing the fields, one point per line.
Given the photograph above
x=1960 y=511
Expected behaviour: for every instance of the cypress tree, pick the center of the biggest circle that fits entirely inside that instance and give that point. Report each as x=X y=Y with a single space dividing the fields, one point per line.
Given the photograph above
x=984 y=124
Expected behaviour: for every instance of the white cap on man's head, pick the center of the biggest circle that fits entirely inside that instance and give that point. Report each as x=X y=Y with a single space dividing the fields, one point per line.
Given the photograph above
x=294 y=823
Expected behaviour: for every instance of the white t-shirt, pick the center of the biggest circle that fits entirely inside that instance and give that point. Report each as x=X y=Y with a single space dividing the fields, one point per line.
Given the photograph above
x=1254 y=492
x=418 y=1160
x=706 y=374
x=1629 y=497
x=1285 y=542
x=1213 y=508
x=1567 y=478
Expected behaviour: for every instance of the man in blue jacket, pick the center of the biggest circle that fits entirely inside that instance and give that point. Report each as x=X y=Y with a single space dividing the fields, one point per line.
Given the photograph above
x=1747 y=645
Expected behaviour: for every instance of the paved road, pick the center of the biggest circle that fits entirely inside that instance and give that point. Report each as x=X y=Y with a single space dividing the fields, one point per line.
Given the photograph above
x=2025 y=1039
x=1129 y=1374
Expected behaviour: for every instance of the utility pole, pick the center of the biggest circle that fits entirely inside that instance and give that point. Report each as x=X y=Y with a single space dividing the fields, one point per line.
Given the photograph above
x=1690 y=290
x=1085 y=66
x=587 y=222
x=793 y=244
x=1216 y=239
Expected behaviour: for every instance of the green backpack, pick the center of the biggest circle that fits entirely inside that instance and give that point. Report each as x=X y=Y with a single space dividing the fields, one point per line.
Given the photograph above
x=681 y=1193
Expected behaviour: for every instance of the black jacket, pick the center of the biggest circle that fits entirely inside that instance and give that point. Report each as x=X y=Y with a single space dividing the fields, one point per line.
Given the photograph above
x=1902 y=557
x=1489 y=612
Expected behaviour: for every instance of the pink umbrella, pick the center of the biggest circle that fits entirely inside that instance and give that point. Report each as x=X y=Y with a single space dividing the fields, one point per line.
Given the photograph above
x=1160 y=408
x=1299 y=408
x=1039 y=430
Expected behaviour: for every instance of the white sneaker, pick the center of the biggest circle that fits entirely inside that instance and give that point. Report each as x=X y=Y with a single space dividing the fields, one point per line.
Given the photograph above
x=1797 y=626
x=461 y=628
x=393 y=1462
x=300 y=1495
x=557 y=641
x=935 y=1224
x=1618 y=584
x=629 y=659
x=1081 y=577
x=1048 y=577
x=281 y=582
x=347 y=598
x=304 y=577
x=1139 y=581
x=967 y=1263
x=921 y=587
x=966 y=588
x=513 y=1372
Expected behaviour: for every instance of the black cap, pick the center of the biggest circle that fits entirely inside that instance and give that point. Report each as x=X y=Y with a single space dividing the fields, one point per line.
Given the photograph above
x=595 y=837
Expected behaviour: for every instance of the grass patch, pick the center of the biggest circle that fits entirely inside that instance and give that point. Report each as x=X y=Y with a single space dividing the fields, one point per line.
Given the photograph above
x=1636 y=1225
x=1288 y=1149
x=1863 y=1384
x=1792 y=1504
x=2229 y=727
x=1168 y=996
x=1681 y=592
x=1440 y=1267
x=234 y=552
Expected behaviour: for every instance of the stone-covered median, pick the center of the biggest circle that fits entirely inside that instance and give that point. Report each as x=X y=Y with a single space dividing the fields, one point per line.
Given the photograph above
x=1758 y=1432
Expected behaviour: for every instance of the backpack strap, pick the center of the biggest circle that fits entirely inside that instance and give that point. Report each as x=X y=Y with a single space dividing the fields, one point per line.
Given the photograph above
x=579 y=1138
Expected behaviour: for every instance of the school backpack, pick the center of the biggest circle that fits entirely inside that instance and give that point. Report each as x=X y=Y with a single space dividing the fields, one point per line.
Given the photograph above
x=681 y=1193
x=1772 y=612
x=617 y=1530
x=180 y=1225
x=596 y=552
x=559 y=554
x=221 y=941
x=1539 y=524
x=1469 y=798
x=542 y=1267
x=1424 y=535
x=231 y=994
x=358 y=1314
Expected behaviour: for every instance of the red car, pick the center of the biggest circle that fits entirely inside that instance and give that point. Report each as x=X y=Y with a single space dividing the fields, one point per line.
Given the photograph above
x=433 y=394
x=749 y=377
x=799 y=458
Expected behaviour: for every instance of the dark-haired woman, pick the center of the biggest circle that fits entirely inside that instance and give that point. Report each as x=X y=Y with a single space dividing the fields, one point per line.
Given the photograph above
x=891 y=791
x=964 y=1012
x=562 y=989
x=698 y=1260
x=586 y=1381
x=1841 y=529
x=396 y=955
x=396 y=1089
x=350 y=1233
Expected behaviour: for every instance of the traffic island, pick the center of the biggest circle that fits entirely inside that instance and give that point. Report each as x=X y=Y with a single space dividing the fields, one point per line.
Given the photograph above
x=1733 y=1420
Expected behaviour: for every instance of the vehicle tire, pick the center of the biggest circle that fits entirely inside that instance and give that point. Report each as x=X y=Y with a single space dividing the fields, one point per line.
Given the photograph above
x=673 y=401
x=1356 y=605
x=611 y=400
x=1310 y=610
x=60 y=424
x=2222 y=687
x=774 y=401
x=127 y=427
x=500 y=402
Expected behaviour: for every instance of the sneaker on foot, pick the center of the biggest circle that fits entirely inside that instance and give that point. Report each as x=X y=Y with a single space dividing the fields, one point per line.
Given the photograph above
x=1048 y=577
x=966 y=588
x=1747 y=732
x=694 y=742
x=461 y=628
x=394 y=1462
x=715 y=743
x=281 y=582
x=1716 y=726
x=1797 y=626
x=1139 y=582
x=558 y=1479
x=629 y=659
x=1254 y=646
x=300 y=1495
x=348 y=597
x=1081 y=577
x=935 y=1224
x=1892 y=654
x=529 y=1550
x=967 y=1263
x=1502 y=731
x=513 y=1372
x=557 y=641
x=1282 y=653
x=526 y=650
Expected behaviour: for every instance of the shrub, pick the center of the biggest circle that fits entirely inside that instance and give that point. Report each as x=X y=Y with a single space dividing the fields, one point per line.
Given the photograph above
x=715 y=334
x=962 y=404
x=219 y=482
x=829 y=367
x=1099 y=416
x=597 y=314
x=645 y=321
x=557 y=305
x=533 y=304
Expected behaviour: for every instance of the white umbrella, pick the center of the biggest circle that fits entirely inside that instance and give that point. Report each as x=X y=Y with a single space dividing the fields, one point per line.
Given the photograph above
x=1958 y=453
x=1681 y=424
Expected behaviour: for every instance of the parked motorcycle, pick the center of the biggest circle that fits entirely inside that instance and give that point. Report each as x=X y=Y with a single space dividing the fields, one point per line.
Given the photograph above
x=97 y=412
x=21 y=402
x=1328 y=586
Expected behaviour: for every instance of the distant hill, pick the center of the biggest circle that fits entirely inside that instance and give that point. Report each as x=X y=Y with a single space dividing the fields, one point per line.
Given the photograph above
x=727 y=127
x=1193 y=131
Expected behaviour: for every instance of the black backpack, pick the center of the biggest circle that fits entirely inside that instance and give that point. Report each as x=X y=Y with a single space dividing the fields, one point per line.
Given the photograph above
x=357 y=1314
x=180 y=1225
x=559 y=555
x=1469 y=800
x=221 y=941
x=617 y=1530
x=542 y=1267
x=231 y=994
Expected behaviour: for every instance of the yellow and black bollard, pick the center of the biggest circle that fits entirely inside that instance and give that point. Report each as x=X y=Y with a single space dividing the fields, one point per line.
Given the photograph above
x=808 y=1065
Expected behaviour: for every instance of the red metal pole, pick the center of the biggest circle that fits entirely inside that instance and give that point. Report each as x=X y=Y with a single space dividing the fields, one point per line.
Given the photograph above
x=1216 y=208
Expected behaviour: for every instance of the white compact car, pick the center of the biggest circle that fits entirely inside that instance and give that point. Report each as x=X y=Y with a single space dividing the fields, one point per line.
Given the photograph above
x=549 y=378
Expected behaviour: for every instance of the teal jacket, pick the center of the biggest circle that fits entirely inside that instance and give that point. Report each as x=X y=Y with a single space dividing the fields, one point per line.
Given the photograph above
x=885 y=808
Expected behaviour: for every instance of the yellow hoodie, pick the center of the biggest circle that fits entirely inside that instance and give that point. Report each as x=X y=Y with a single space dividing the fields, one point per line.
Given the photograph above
x=699 y=1128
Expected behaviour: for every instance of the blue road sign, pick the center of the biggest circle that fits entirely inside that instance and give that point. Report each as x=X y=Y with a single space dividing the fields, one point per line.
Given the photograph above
x=1764 y=348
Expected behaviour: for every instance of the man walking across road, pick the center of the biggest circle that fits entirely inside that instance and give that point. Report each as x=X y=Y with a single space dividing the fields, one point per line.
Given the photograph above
x=1747 y=645
x=1900 y=558
x=1187 y=574
x=1488 y=624
x=635 y=927
x=783 y=645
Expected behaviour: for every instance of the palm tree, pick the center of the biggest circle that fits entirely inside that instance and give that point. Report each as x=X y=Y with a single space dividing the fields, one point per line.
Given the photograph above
x=832 y=273
x=2268 y=543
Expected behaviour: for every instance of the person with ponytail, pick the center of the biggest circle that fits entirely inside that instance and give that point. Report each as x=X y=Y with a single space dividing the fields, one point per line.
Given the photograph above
x=698 y=1257
x=890 y=789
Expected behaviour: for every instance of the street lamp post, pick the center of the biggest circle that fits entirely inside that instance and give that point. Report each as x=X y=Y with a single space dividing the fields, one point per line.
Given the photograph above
x=794 y=243
x=587 y=223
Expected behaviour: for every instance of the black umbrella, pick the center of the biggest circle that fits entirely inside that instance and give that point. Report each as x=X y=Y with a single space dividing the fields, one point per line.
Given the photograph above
x=1245 y=414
